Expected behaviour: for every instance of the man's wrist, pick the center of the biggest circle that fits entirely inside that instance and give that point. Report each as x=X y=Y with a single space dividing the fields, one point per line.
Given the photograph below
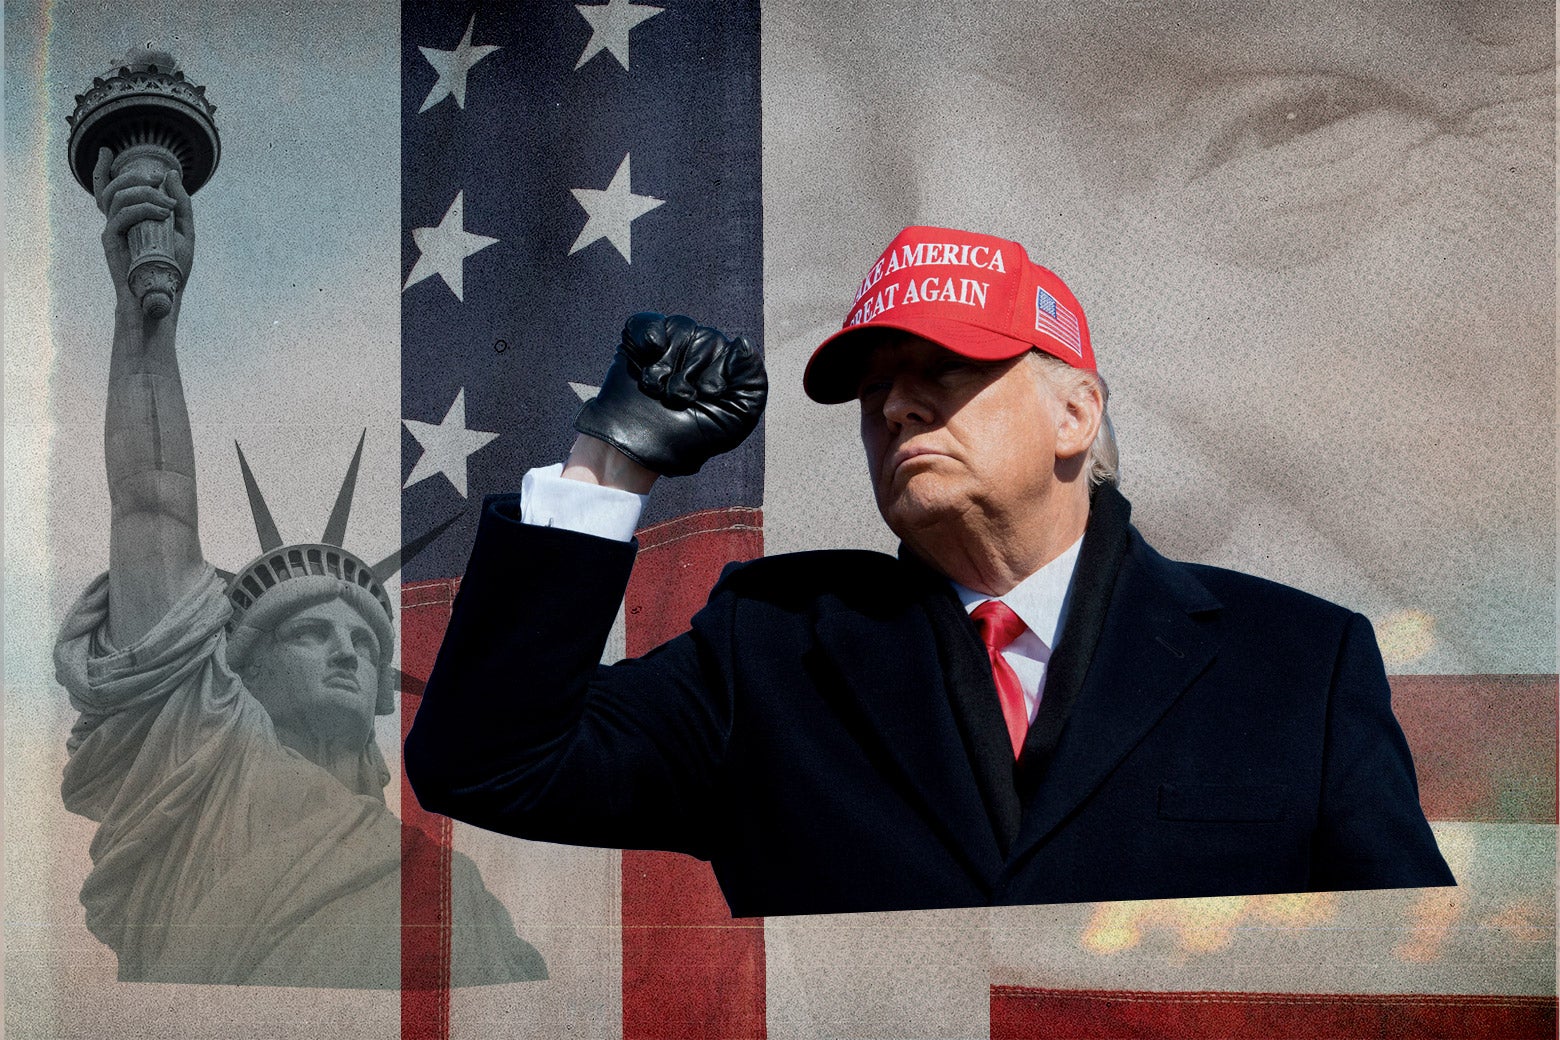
x=548 y=500
x=594 y=461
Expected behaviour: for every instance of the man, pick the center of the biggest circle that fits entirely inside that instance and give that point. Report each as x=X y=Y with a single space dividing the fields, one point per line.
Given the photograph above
x=1028 y=705
x=226 y=738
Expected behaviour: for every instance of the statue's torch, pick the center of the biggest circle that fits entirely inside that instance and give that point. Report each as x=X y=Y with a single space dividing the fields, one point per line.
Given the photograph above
x=153 y=120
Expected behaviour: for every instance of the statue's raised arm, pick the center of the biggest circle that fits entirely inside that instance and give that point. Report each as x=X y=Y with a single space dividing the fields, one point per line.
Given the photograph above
x=154 y=543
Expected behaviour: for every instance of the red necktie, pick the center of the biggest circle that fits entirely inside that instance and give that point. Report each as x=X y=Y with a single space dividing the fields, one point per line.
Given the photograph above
x=998 y=626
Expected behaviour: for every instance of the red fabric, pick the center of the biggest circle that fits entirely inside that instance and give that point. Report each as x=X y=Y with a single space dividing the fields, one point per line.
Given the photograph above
x=998 y=626
x=1484 y=745
x=426 y=929
x=689 y=969
x=1019 y=1013
x=974 y=294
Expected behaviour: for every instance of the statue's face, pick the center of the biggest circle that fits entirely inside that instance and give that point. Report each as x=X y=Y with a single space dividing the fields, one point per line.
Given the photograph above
x=319 y=674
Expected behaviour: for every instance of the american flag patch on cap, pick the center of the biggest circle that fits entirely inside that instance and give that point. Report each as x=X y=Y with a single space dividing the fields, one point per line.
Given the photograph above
x=1056 y=321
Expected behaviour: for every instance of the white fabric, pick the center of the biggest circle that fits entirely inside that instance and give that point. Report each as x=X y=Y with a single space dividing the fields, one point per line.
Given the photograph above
x=1040 y=601
x=549 y=500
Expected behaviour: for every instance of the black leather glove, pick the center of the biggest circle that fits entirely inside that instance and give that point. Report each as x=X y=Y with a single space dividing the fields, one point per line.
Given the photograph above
x=678 y=393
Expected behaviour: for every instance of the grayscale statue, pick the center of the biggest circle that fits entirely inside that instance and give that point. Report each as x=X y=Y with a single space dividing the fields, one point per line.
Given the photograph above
x=225 y=743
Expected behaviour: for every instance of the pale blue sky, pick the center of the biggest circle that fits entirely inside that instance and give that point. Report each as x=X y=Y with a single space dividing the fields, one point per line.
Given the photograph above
x=289 y=336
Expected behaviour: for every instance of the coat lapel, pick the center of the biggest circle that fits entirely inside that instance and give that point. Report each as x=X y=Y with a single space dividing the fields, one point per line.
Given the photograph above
x=972 y=696
x=1159 y=633
x=890 y=667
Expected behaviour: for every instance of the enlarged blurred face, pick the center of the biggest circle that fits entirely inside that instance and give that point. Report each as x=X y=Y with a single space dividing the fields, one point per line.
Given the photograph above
x=319 y=675
x=1315 y=243
x=951 y=440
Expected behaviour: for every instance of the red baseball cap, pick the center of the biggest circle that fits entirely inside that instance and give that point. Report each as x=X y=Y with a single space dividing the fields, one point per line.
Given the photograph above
x=975 y=295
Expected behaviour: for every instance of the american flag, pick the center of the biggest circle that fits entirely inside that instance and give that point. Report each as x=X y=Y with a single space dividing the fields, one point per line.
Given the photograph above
x=1055 y=320
x=563 y=167
x=554 y=181
x=566 y=164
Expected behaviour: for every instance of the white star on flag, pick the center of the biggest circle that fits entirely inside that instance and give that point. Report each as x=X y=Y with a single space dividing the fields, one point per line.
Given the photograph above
x=609 y=26
x=611 y=211
x=444 y=249
x=446 y=445
x=452 y=67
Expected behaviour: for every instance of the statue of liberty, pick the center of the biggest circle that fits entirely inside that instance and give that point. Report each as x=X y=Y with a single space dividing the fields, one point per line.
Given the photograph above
x=225 y=743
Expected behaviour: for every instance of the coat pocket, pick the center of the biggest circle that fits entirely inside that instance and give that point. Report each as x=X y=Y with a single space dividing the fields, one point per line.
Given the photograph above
x=1253 y=802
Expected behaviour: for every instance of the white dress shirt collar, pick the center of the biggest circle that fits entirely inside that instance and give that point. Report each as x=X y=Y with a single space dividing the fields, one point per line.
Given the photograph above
x=1040 y=600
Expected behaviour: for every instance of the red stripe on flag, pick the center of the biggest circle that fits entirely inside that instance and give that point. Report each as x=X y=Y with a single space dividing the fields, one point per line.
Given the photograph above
x=1484 y=745
x=689 y=969
x=1019 y=1013
x=425 y=838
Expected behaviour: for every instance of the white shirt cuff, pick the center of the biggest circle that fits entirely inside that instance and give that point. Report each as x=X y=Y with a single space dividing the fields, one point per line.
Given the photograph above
x=548 y=500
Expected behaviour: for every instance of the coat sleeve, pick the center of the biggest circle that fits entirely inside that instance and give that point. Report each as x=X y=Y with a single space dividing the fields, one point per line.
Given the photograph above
x=520 y=730
x=1372 y=832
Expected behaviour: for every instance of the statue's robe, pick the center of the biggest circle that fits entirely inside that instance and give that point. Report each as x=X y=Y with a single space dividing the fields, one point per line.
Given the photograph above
x=222 y=856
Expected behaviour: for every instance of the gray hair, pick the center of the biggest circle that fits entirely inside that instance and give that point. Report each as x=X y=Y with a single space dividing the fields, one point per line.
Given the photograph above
x=1104 y=461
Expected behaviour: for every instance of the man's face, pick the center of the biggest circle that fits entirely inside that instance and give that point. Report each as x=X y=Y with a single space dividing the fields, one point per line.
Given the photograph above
x=320 y=673
x=949 y=439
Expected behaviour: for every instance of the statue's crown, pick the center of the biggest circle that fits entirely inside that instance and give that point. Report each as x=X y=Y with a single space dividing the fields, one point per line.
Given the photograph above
x=278 y=564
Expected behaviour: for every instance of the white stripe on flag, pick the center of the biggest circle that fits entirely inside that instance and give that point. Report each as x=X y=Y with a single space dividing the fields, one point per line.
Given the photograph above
x=920 y=974
x=565 y=901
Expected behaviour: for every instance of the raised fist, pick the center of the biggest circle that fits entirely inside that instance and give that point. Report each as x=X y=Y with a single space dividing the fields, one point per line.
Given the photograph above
x=678 y=393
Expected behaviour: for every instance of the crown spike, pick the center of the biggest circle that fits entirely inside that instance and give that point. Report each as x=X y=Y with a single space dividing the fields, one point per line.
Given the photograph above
x=265 y=527
x=336 y=526
x=386 y=568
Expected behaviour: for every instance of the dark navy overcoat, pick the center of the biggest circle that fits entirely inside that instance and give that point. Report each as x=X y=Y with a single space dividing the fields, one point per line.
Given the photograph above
x=827 y=734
